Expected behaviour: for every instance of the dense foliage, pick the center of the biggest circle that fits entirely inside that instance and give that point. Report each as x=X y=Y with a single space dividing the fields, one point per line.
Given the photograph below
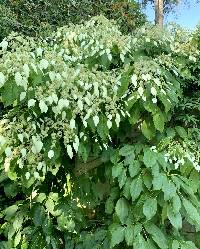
x=97 y=150
x=41 y=17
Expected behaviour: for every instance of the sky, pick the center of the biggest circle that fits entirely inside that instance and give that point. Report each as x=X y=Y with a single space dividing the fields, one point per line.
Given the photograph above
x=186 y=16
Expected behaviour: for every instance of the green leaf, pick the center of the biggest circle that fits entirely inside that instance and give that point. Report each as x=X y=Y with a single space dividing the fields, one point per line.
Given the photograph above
x=129 y=235
x=181 y=132
x=17 y=239
x=192 y=212
x=102 y=128
x=176 y=203
x=148 y=129
x=125 y=81
x=10 y=92
x=150 y=208
x=38 y=215
x=117 y=170
x=150 y=158
x=174 y=218
x=135 y=114
x=175 y=244
x=126 y=150
x=169 y=190
x=10 y=211
x=134 y=168
x=117 y=235
x=157 y=235
x=188 y=245
x=159 y=121
x=122 y=210
x=136 y=188
x=109 y=206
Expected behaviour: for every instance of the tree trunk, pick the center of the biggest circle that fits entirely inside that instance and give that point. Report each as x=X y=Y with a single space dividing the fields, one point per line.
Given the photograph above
x=159 y=13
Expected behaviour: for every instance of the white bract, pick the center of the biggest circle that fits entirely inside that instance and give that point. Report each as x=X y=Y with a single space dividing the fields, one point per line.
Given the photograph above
x=69 y=151
x=96 y=120
x=43 y=106
x=31 y=102
x=50 y=154
x=2 y=79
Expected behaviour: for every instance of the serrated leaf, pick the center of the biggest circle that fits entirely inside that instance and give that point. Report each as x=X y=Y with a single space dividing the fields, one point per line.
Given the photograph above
x=38 y=215
x=181 y=132
x=192 y=212
x=125 y=81
x=150 y=158
x=122 y=209
x=10 y=92
x=134 y=168
x=174 y=218
x=159 y=121
x=136 y=188
x=148 y=129
x=169 y=190
x=150 y=208
x=117 y=170
x=157 y=235
x=175 y=244
x=17 y=239
x=129 y=235
x=188 y=245
x=176 y=203
x=126 y=150
x=117 y=235
x=135 y=114
x=109 y=206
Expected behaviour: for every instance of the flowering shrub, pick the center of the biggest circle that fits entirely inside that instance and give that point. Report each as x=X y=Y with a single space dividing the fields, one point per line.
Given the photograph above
x=91 y=154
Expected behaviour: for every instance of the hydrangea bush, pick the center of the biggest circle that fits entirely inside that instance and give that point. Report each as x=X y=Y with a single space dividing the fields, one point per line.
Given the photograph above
x=94 y=150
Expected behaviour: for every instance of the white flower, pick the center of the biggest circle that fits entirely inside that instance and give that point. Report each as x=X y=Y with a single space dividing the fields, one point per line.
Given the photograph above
x=21 y=137
x=80 y=104
x=2 y=140
x=2 y=79
x=23 y=152
x=72 y=124
x=134 y=80
x=37 y=145
x=192 y=58
x=76 y=144
x=117 y=119
x=50 y=154
x=4 y=44
x=43 y=106
x=176 y=165
x=27 y=175
x=81 y=134
x=22 y=96
x=157 y=81
x=69 y=151
x=154 y=100
x=39 y=51
x=26 y=70
x=146 y=77
x=40 y=165
x=8 y=152
x=54 y=97
x=153 y=91
x=52 y=76
x=31 y=102
x=109 y=124
x=144 y=98
x=140 y=90
x=122 y=57
x=96 y=120
x=36 y=175
x=43 y=64
x=18 y=79
x=147 y=39
x=109 y=57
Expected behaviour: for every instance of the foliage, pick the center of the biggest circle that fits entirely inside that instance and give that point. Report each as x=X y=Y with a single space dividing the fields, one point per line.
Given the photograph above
x=94 y=153
x=41 y=17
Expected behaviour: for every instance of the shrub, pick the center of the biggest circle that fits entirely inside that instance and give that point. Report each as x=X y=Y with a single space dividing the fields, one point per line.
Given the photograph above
x=91 y=154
